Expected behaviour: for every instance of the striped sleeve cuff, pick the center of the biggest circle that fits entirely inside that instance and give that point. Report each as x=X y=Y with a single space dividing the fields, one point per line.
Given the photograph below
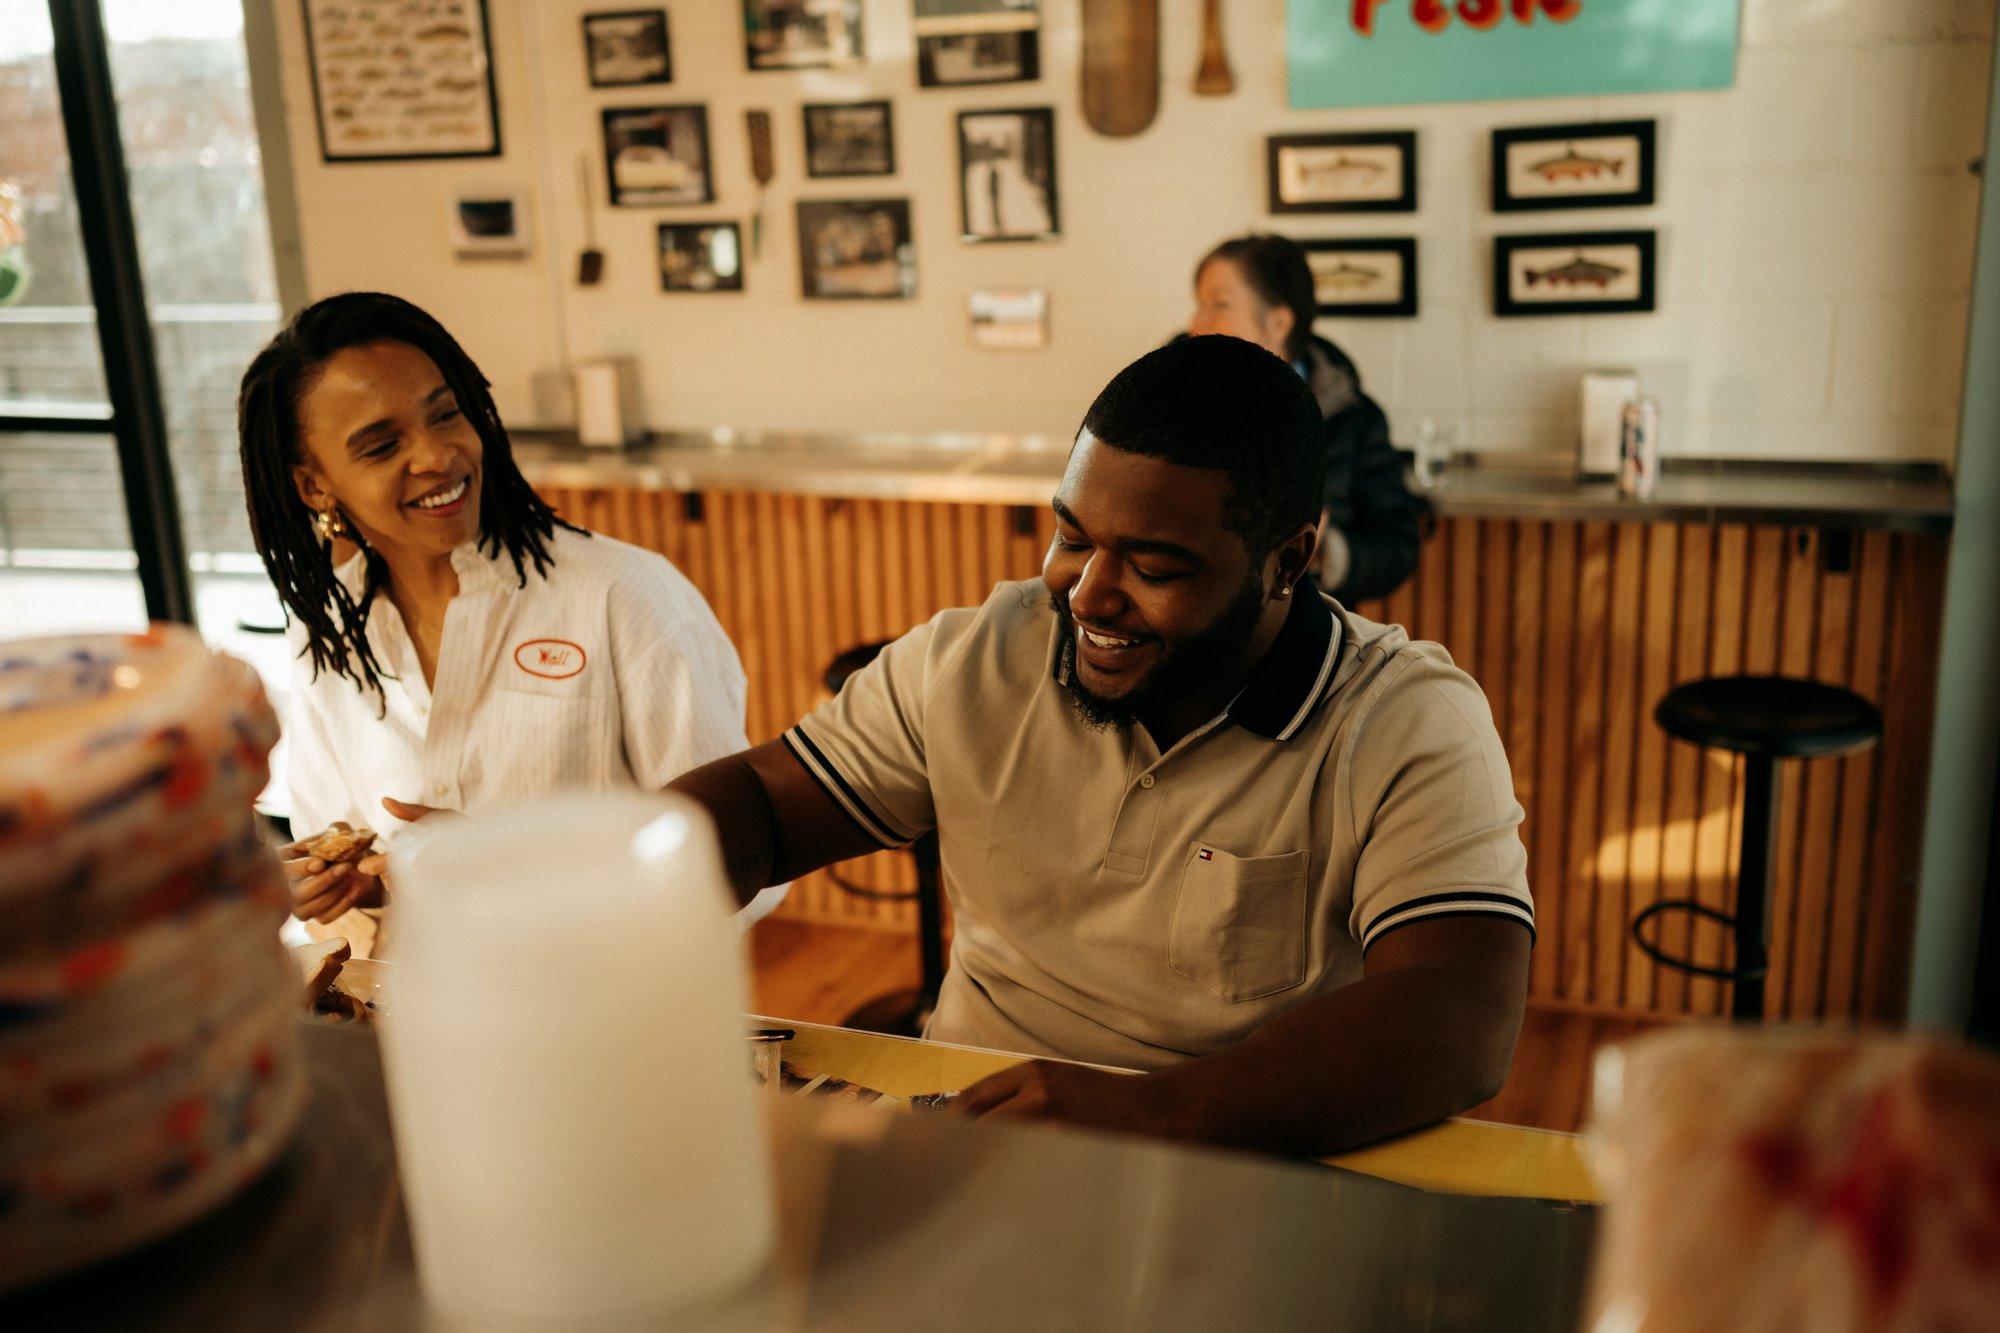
x=1453 y=902
x=843 y=793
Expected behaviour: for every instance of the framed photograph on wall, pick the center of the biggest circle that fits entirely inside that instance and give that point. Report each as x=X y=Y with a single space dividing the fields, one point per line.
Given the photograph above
x=701 y=257
x=1007 y=174
x=1364 y=276
x=1608 y=164
x=657 y=155
x=1574 y=273
x=1009 y=321
x=801 y=34
x=489 y=223
x=392 y=82
x=627 y=48
x=856 y=249
x=976 y=58
x=850 y=139
x=1342 y=173
x=962 y=43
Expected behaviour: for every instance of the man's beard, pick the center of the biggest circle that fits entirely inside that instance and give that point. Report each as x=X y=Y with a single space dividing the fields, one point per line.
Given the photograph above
x=1182 y=667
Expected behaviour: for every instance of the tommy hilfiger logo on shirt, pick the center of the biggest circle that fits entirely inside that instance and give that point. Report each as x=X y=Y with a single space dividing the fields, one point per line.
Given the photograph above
x=1204 y=853
x=551 y=659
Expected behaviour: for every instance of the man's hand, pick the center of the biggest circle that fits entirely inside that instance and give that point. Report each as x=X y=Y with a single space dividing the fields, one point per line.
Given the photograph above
x=1048 y=1090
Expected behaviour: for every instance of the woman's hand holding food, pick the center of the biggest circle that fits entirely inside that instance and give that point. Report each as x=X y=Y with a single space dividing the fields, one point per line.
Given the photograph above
x=339 y=869
x=326 y=875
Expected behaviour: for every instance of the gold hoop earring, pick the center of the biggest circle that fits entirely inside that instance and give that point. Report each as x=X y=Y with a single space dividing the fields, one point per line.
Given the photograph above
x=327 y=523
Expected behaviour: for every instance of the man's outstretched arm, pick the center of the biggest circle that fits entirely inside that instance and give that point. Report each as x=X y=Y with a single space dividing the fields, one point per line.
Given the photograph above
x=775 y=822
x=1428 y=1033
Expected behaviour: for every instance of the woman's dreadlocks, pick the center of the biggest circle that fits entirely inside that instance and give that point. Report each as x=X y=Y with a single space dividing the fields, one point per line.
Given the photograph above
x=511 y=515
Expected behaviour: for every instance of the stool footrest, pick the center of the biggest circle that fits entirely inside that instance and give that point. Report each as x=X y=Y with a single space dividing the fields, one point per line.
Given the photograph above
x=1759 y=964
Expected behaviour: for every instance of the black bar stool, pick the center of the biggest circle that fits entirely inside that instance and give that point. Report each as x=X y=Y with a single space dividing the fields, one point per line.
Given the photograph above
x=901 y=1013
x=1764 y=719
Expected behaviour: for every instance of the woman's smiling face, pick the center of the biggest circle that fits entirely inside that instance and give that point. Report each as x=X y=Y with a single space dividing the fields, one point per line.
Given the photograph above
x=382 y=436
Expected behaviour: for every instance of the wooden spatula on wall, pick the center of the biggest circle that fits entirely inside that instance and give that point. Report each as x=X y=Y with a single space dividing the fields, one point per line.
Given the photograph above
x=1214 y=78
x=1121 y=65
x=590 y=262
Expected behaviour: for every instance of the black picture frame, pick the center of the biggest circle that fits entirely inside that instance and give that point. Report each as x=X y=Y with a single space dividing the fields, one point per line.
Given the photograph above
x=1644 y=245
x=625 y=194
x=849 y=231
x=1035 y=149
x=1405 y=250
x=1403 y=143
x=1015 y=56
x=759 y=57
x=684 y=238
x=592 y=57
x=822 y=153
x=1642 y=192
x=322 y=111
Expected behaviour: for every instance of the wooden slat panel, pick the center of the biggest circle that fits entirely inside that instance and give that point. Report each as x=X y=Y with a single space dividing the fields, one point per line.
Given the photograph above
x=1587 y=749
x=1661 y=557
x=1560 y=913
x=1574 y=631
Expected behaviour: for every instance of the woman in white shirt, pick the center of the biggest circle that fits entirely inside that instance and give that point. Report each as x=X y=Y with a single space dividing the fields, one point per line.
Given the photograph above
x=457 y=644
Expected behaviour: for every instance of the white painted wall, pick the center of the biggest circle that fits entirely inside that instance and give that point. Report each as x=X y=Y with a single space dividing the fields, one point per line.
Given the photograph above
x=1816 y=228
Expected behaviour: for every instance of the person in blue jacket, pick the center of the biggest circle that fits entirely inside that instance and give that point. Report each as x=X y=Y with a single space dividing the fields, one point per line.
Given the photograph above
x=1260 y=288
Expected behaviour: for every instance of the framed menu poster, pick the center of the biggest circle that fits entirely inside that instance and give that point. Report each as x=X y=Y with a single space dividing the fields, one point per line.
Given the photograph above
x=394 y=81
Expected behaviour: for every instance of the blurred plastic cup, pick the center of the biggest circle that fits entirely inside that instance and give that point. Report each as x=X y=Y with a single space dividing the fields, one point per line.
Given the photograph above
x=579 y=1135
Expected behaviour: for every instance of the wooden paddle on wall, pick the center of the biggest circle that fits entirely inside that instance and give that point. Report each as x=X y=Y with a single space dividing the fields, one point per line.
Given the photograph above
x=1214 y=78
x=1121 y=65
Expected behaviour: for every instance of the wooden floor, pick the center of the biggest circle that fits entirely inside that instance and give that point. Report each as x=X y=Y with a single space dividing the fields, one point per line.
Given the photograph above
x=820 y=974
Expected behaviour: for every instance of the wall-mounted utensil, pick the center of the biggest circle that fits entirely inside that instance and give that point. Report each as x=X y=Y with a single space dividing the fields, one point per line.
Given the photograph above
x=763 y=167
x=1121 y=65
x=590 y=263
x=1214 y=78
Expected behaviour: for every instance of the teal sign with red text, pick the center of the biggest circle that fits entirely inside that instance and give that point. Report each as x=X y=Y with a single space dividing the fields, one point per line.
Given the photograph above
x=1397 y=52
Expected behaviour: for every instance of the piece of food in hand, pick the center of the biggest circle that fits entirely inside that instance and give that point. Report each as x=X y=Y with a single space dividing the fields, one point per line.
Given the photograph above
x=335 y=1003
x=341 y=843
x=319 y=963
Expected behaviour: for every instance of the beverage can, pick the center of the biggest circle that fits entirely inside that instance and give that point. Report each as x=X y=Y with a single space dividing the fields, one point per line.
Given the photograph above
x=1639 y=448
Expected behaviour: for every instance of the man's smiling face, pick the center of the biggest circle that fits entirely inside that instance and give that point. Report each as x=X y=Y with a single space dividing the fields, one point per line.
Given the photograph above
x=1157 y=595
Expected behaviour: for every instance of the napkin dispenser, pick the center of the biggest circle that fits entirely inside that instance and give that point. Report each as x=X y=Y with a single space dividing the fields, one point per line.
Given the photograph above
x=606 y=396
x=1601 y=419
x=576 y=1120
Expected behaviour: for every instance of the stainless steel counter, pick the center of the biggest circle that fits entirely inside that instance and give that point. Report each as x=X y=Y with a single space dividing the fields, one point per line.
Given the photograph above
x=895 y=1220
x=1023 y=470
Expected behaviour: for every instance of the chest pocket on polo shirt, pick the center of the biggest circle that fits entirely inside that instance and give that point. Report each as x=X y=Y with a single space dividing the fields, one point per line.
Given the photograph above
x=1239 y=924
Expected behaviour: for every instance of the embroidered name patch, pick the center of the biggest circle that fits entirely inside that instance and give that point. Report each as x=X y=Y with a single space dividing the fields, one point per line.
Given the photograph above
x=551 y=659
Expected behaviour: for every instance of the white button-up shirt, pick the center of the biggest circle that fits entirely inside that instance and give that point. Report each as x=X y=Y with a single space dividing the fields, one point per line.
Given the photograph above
x=609 y=673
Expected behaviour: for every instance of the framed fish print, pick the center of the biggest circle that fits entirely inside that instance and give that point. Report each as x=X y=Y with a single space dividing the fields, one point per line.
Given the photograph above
x=1606 y=164
x=1574 y=273
x=393 y=82
x=1364 y=276
x=1342 y=173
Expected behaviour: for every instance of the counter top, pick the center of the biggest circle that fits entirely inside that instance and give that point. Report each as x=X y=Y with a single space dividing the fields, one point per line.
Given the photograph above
x=893 y=1219
x=1023 y=470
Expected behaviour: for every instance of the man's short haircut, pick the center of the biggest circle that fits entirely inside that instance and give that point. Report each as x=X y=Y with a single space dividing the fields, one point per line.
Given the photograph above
x=1220 y=402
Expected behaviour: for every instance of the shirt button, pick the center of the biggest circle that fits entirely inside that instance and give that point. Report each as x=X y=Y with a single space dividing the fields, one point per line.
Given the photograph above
x=1147 y=782
x=439 y=790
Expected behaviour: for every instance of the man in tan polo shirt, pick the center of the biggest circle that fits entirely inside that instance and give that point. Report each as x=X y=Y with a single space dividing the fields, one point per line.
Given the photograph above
x=1194 y=817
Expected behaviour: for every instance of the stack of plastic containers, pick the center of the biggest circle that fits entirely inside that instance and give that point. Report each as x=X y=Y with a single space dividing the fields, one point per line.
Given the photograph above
x=148 y=1051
